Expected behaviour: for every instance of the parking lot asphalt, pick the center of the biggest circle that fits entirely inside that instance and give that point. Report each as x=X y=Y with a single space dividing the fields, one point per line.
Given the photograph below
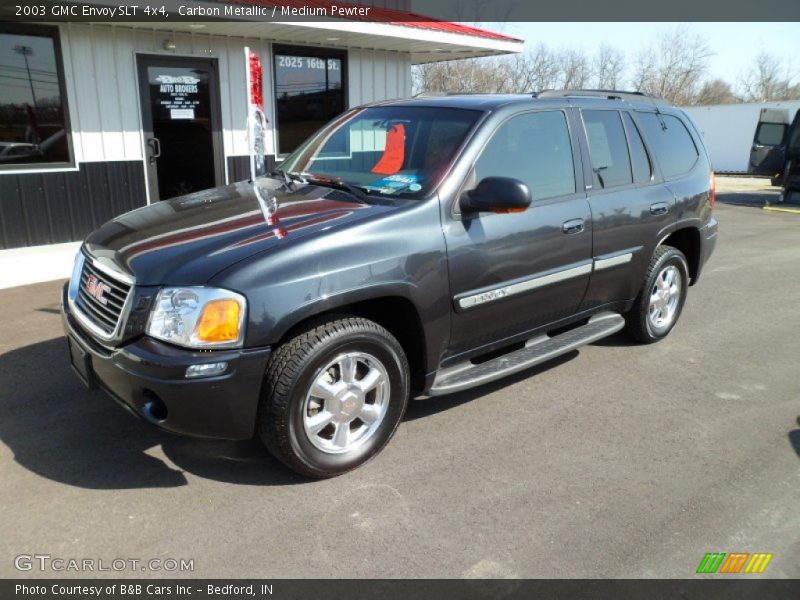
x=617 y=460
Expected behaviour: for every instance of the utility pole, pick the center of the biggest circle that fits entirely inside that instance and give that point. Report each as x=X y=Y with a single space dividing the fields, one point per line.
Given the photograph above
x=27 y=51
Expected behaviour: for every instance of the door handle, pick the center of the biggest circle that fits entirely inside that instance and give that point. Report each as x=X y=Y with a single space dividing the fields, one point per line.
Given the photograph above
x=155 y=146
x=659 y=208
x=573 y=226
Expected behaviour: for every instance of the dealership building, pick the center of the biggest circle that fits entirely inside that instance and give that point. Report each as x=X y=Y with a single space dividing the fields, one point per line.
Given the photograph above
x=98 y=119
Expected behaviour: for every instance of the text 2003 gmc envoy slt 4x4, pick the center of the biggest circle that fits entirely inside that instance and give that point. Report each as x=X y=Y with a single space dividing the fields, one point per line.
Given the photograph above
x=414 y=247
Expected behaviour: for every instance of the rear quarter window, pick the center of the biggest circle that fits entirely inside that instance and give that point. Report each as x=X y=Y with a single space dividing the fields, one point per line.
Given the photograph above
x=671 y=142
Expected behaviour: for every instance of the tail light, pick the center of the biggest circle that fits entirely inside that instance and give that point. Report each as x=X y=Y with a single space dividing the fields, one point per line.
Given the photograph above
x=712 y=191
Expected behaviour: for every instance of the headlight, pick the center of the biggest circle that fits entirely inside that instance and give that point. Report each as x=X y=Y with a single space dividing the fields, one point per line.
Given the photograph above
x=198 y=317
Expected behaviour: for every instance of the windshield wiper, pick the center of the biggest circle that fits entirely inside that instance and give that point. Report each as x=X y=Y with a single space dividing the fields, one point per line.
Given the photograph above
x=288 y=178
x=335 y=182
x=291 y=177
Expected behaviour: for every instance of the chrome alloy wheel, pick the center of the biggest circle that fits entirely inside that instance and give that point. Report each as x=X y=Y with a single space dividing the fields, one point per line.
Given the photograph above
x=665 y=298
x=347 y=402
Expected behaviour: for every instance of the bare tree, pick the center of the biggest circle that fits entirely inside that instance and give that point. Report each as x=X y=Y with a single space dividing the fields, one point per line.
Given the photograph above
x=538 y=70
x=673 y=67
x=575 y=69
x=716 y=91
x=609 y=67
x=770 y=79
x=471 y=75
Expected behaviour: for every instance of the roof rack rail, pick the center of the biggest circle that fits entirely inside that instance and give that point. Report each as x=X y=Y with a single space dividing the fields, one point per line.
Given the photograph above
x=443 y=94
x=634 y=96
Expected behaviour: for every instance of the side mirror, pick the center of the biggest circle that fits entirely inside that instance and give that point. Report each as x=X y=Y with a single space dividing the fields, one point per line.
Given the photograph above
x=497 y=195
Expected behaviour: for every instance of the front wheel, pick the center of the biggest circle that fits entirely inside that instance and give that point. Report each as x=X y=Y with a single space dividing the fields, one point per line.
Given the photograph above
x=334 y=396
x=661 y=299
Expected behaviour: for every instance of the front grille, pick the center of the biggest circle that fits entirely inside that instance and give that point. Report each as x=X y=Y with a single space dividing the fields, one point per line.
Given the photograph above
x=104 y=315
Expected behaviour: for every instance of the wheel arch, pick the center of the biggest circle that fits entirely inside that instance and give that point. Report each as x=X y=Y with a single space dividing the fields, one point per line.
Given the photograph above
x=394 y=312
x=687 y=240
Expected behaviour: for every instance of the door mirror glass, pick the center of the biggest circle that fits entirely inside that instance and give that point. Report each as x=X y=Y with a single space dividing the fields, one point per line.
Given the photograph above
x=497 y=195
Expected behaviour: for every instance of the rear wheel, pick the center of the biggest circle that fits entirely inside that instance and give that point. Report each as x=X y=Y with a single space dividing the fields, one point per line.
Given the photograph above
x=660 y=301
x=334 y=396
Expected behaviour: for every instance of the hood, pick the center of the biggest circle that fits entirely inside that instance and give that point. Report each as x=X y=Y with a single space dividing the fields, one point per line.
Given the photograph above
x=187 y=240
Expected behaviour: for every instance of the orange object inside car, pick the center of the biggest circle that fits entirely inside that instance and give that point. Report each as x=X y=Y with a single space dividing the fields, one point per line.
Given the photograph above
x=394 y=153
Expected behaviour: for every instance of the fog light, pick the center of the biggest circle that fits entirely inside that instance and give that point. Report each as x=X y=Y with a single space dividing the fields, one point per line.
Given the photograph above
x=206 y=370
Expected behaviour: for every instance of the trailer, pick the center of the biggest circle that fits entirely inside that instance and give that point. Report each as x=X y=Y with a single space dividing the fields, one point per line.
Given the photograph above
x=730 y=132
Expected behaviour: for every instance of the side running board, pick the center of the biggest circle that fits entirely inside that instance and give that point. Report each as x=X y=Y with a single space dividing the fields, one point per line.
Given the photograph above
x=536 y=351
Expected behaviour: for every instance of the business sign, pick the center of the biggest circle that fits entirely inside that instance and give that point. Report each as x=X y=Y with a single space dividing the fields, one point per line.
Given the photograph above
x=256 y=119
x=178 y=95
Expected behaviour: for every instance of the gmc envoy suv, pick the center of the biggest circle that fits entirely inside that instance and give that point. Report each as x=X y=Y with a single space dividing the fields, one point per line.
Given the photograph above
x=409 y=248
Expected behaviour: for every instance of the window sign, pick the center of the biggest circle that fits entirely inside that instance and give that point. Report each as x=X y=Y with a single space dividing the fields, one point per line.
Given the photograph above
x=309 y=92
x=178 y=94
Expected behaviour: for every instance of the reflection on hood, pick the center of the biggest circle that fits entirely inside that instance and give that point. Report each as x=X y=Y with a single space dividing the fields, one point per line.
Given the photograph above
x=220 y=226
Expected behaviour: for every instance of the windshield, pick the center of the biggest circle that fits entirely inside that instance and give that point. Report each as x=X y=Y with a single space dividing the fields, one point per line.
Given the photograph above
x=388 y=150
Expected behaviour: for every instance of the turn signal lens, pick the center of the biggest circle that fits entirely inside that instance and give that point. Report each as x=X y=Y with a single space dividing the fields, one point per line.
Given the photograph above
x=219 y=322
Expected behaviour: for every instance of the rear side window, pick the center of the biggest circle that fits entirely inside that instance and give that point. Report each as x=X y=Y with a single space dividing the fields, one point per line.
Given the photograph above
x=607 y=148
x=770 y=134
x=671 y=142
x=534 y=148
x=642 y=169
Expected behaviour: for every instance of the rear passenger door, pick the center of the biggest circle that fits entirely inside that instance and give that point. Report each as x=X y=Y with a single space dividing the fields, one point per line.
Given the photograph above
x=510 y=273
x=631 y=211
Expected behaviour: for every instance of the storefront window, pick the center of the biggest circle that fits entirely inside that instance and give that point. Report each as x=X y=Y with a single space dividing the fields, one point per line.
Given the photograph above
x=309 y=92
x=33 y=114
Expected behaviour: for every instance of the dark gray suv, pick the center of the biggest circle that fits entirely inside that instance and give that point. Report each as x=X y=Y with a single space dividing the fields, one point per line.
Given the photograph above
x=408 y=248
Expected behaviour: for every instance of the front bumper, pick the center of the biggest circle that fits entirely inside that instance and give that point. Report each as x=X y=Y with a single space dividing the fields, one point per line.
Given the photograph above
x=147 y=377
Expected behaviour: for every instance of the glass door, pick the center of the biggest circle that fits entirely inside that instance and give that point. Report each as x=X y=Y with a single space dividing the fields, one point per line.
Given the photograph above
x=181 y=124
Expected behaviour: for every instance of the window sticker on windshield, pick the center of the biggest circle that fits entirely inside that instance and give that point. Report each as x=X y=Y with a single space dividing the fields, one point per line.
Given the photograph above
x=396 y=183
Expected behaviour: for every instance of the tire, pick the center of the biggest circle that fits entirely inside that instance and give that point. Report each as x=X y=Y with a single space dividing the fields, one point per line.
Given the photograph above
x=646 y=325
x=322 y=372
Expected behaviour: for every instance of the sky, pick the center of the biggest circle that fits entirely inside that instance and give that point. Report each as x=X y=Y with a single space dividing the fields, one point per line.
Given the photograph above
x=735 y=44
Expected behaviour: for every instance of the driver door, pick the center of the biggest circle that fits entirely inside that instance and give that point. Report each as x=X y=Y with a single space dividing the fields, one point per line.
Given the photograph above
x=511 y=273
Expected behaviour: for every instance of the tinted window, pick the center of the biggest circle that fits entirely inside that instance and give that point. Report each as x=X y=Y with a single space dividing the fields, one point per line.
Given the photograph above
x=534 y=148
x=642 y=170
x=607 y=148
x=770 y=134
x=309 y=92
x=33 y=126
x=671 y=142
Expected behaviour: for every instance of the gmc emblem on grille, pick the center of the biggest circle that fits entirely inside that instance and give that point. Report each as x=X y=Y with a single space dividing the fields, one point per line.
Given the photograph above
x=97 y=289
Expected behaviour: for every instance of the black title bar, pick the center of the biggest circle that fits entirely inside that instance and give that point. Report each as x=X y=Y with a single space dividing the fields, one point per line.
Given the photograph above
x=111 y=11
x=733 y=588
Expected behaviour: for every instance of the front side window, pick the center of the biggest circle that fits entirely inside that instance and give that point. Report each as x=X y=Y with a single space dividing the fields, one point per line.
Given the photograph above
x=33 y=114
x=675 y=150
x=385 y=150
x=309 y=92
x=608 y=149
x=534 y=148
